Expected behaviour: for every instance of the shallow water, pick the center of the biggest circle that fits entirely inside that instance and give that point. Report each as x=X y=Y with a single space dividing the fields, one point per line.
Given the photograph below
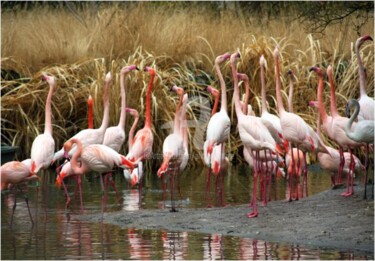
x=58 y=234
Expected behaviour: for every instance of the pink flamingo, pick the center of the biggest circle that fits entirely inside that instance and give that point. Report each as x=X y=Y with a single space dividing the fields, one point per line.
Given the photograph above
x=173 y=151
x=254 y=135
x=295 y=129
x=42 y=149
x=90 y=119
x=291 y=89
x=338 y=128
x=362 y=132
x=91 y=136
x=331 y=162
x=93 y=157
x=14 y=173
x=367 y=104
x=141 y=147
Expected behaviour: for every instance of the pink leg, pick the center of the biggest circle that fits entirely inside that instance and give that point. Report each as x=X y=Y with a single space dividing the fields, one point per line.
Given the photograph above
x=254 y=200
x=341 y=166
x=366 y=167
x=349 y=189
x=208 y=193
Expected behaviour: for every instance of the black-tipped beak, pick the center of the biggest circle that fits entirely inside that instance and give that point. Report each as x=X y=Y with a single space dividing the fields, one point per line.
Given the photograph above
x=290 y=72
x=312 y=69
x=137 y=68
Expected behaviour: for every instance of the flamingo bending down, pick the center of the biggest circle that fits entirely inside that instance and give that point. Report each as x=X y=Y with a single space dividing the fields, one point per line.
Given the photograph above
x=338 y=128
x=331 y=162
x=363 y=131
x=367 y=104
x=14 y=173
x=43 y=147
x=91 y=136
x=173 y=151
x=93 y=157
x=141 y=145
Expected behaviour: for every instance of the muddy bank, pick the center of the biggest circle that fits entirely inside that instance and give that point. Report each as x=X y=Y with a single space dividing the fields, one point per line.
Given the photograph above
x=325 y=220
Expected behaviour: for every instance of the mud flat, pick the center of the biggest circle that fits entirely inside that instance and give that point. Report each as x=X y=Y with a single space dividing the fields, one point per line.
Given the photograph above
x=325 y=220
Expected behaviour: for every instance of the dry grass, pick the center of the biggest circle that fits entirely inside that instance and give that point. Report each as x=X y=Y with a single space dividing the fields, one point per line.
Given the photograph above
x=181 y=44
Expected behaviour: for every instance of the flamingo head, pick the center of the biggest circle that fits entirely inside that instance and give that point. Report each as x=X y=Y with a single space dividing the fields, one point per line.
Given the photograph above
x=129 y=68
x=263 y=62
x=59 y=179
x=213 y=91
x=276 y=53
x=222 y=58
x=150 y=70
x=363 y=39
x=317 y=69
x=108 y=77
x=349 y=105
x=177 y=90
x=132 y=112
x=313 y=104
x=291 y=74
x=164 y=166
x=243 y=77
x=49 y=79
x=234 y=57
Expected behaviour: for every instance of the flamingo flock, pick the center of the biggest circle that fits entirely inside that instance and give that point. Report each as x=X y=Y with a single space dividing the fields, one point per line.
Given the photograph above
x=271 y=143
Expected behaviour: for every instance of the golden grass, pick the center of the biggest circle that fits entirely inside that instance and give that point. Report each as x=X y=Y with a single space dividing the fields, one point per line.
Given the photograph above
x=181 y=44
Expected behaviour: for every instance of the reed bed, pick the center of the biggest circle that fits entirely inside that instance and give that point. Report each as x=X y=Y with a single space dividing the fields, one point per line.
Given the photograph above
x=79 y=48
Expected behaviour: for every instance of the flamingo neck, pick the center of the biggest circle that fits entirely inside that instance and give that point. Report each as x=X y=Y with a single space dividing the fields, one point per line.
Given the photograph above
x=123 y=102
x=361 y=71
x=223 y=88
x=132 y=131
x=279 y=98
x=333 y=106
x=352 y=118
x=183 y=126
x=176 y=128
x=90 y=118
x=48 y=113
x=236 y=94
x=76 y=167
x=105 y=120
x=322 y=111
x=216 y=103
x=148 y=122
x=290 y=96
x=263 y=82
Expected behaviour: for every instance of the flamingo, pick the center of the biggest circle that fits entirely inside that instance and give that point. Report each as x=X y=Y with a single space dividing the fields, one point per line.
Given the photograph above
x=216 y=161
x=362 y=132
x=141 y=145
x=14 y=173
x=291 y=89
x=367 y=104
x=91 y=136
x=93 y=157
x=173 y=150
x=331 y=162
x=254 y=135
x=43 y=147
x=338 y=128
x=295 y=129
x=90 y=119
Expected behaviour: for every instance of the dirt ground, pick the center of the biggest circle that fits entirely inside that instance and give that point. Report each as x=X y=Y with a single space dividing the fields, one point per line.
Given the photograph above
x=325 y=220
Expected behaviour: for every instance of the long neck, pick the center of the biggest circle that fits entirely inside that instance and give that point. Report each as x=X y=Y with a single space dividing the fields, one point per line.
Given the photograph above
x=216 y=103
x=290 y=96
x=132 y=131
x=361 y=71
x=322 y=111
x=48 y=114
x=279 y=98
x=90 y=118
x=223 y=89
x=148 y=122
x=354 y=116
x=123 y=102
x=105 y=120
x=318 y=125
x=76 y=167
x=333 y=106
x=246 y=99
x=263 y=82
x=236 y=94
x=183 y=123
x=176 y=128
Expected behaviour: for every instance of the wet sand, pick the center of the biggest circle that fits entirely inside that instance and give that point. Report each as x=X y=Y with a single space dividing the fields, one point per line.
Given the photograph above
x=325 y=220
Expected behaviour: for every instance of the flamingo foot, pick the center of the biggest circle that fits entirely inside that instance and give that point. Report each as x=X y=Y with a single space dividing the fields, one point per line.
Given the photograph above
x=252 y=214
x=173 y=210
x=347 y=194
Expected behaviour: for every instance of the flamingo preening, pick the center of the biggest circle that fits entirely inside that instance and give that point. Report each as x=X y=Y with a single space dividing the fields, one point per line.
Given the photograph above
x=362 y=132
x=173 y=150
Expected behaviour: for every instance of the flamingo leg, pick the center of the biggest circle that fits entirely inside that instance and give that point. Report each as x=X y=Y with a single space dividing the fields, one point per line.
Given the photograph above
x=366 y=171
x=349 y=188
x=208 y=193
x=341 y=166
x=79 y=181
x=304 y=187
x=14 y=207
x=172 y=177
x=221 y=174
x=113 y=184
x=102 y=186
x=291 y=176
x=254 y=201
x=27 y=203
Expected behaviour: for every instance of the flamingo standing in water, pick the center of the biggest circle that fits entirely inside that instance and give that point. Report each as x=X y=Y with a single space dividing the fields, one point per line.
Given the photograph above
x=91 y=136
x=141 y=147
x=338 y=128
x=367 y=104
x=173 y=151
x=14 y=173
x=298 y=133
x=219 y=125
x=363 y=131
x=43 y=147
x=331 y=162
x=93 y=157
x=254 y=135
